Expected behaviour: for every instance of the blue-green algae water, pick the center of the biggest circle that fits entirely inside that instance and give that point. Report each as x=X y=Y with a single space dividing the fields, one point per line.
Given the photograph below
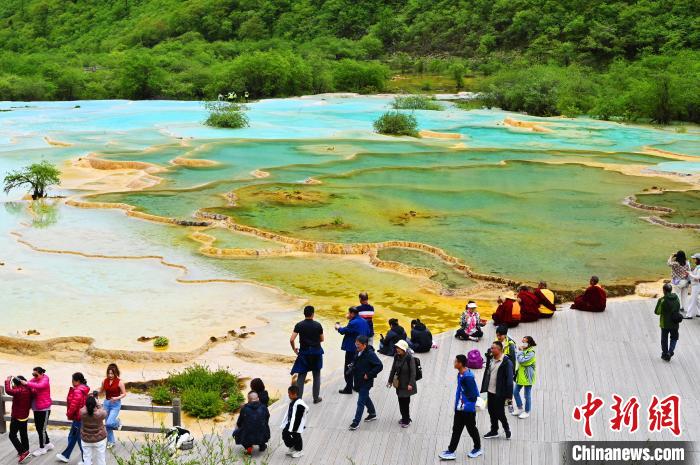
x=507 y=201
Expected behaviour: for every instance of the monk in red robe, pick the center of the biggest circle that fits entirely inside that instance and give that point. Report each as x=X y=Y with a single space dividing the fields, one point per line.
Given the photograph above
x=593 y=299
x=545 y=297
x=508 y=311
x=529 y=305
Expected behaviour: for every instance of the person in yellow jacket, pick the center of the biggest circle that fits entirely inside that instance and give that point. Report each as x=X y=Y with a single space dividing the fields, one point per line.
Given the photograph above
x=524 y=377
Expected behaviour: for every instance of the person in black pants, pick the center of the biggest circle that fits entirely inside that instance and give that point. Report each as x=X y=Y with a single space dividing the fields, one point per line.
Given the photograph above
x=21 y=403
x=498 y=383
x=294 y=423
x=465 y=411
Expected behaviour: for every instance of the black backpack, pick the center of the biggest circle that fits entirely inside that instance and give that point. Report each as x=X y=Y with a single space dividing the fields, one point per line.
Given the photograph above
x=419 y=369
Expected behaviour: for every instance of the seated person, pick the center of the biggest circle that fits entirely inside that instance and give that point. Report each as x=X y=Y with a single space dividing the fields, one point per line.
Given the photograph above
x=253 y=425
x=529 y=305
x=546 y=300
x=593 y=299
x=508 y=311
x=421 y=337
x=470 y=324
x=396 y=333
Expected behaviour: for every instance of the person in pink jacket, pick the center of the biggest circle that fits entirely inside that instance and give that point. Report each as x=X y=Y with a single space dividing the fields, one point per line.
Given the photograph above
x=40 y=386
x=77 y=396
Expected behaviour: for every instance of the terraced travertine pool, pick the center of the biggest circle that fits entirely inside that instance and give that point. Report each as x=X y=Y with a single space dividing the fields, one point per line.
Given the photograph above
x=520 y=203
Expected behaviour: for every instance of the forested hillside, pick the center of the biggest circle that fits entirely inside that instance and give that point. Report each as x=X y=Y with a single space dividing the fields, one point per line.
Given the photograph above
x=629 y=59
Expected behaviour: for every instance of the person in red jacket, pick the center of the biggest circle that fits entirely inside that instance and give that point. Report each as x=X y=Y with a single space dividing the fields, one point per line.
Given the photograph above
x=594 y=299
x=21 y=405
x=77 y=395
x=529 y=305
x=40 y=385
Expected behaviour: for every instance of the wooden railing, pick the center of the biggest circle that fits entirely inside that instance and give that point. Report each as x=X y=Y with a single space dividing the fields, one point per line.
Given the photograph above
x=175 y=410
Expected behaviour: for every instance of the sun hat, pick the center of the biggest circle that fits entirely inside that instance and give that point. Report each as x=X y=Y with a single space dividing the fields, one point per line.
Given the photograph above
x=403 y=345
x=696 y=255
x=471 y=305
x=509 y=295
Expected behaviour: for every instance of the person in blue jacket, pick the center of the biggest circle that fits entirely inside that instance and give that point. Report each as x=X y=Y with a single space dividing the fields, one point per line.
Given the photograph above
x=356 y=326
x=465 y=411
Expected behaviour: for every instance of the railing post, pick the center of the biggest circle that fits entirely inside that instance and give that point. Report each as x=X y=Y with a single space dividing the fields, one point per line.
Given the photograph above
x=3 y=426
x=177 y=414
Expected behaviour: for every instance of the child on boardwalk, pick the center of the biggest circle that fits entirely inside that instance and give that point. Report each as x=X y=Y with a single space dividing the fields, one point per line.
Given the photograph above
x=294 y=423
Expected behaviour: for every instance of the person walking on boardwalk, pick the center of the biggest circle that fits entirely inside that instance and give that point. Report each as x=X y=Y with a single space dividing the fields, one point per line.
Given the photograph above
x=40 y=385
x=21 y=405
x=465 y=411
x=524 y=377
x=498 y=383
x=309 y=353
x=680 y=271
x=403 y=378
x=77 y=396
x=668 y=308
x=114 y=390
x=365 y=368
x=294 y=423
x=356 y=327
x=694 y=305
x=253 y=425
x=93 y=432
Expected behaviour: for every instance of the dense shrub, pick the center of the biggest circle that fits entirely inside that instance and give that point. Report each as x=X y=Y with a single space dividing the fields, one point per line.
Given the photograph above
x=161 y=395
x=415 y=102
x=204 y=393
x=202 y=404
x=394 y=123
x=226 y=115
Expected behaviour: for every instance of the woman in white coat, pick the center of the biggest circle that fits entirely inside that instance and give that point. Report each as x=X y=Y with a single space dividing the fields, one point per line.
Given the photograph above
x=694 y=275
x=680 y=267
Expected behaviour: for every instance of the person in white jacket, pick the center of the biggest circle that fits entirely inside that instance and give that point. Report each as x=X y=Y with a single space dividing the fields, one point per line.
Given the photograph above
x=680 y=267
x=694 y=275
x=294 y=423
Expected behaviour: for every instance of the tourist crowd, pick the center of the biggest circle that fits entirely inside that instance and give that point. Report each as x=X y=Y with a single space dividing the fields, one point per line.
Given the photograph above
x=92 y=425
x=509 y=372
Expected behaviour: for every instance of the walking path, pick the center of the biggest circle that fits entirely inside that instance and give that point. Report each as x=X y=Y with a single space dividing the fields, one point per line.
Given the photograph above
x=613 y=352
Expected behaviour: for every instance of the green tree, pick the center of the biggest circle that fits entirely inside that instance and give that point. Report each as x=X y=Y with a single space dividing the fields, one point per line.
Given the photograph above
x=38 y=177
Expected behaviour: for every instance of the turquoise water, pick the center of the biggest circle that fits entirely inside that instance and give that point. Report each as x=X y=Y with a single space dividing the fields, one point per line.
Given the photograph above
x=508 y=201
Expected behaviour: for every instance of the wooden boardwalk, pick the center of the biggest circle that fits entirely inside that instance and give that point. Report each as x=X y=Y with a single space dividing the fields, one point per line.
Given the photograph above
x=613 y=352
